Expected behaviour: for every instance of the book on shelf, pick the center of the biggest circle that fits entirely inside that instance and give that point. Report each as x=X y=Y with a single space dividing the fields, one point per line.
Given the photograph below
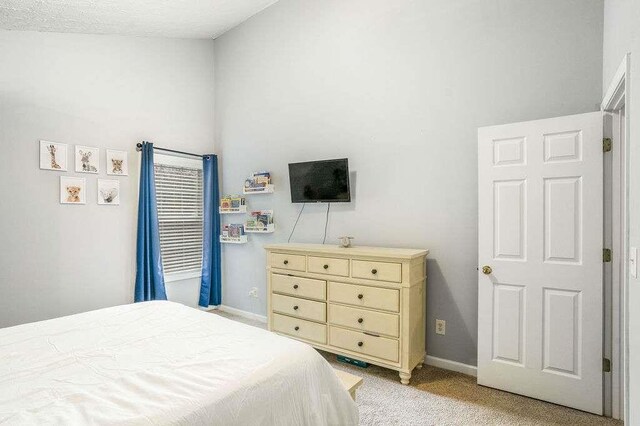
x=233 y=230
x=258 y=181
x=237 y=202
x=232 y=202
x=260 y=219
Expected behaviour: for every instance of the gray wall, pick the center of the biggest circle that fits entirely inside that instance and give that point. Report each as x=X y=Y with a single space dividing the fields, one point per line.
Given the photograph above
x=109 y=92
x=621 y=36
x=399 y=87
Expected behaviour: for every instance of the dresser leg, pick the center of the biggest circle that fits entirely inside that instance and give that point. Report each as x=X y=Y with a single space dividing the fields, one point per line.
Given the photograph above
x=404 y=378
x=419 y=366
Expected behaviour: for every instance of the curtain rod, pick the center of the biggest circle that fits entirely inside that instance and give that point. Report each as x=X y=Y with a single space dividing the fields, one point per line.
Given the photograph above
x=139 y=148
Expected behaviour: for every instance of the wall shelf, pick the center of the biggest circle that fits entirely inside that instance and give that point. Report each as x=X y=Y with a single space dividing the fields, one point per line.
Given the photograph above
x=260 y=229
x=269 y=189
x=242 y=239
x=241 y=209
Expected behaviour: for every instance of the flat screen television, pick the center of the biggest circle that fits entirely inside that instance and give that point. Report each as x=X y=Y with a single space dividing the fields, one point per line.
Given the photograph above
x=324 y=181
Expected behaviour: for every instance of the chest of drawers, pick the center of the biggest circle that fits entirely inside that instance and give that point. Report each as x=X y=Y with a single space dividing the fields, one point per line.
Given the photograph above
x=366 y=303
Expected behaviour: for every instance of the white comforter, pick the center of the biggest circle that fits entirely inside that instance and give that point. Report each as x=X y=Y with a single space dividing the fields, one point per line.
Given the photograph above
x=163 y=363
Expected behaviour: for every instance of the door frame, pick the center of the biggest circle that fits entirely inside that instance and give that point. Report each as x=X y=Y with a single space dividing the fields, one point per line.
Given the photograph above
x=616 y=104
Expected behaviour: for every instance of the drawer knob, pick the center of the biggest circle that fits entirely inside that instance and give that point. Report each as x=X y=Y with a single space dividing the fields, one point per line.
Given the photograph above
x=360 y=296
x=360 y=320
x=326 y=266
x=374 y=271
x=295 y=308
x=286 y=262
x=296 y=328
x=360 y=343
x=295 y=286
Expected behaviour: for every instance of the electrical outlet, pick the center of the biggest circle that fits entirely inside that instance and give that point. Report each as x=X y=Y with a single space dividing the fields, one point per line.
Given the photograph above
x=253 y=292
x=441 y=326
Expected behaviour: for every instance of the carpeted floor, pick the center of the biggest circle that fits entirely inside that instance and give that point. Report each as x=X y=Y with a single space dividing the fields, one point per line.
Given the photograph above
x=442 y=397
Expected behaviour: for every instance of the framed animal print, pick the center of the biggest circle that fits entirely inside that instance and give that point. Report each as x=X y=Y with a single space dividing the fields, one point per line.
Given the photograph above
x=87 y=159
x=73 y=190
x=117 y=163
x=53 y=156
x=108 y=192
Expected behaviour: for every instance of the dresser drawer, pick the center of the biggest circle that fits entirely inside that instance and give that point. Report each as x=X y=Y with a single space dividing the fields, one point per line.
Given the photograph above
x=381 y=271
x=329 y=265
x=373 y=322
x=300 y=328
x=293 y=262
x=296 y=286
x=303 y=308
x=364 y=296
x=355 y=341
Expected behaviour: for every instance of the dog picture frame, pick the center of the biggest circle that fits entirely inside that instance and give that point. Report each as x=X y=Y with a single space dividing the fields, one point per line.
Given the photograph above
x=73 y=190
x=117 y=163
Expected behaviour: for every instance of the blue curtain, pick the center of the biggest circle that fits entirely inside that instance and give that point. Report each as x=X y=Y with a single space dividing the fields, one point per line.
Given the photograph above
x=211 y=285
x=149 y=274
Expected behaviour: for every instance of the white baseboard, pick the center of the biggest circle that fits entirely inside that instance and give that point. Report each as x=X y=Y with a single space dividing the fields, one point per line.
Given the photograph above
x=241 y=313
x=446 y=364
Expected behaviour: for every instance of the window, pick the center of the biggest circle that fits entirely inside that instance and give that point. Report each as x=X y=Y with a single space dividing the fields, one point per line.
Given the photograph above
x=180 y=213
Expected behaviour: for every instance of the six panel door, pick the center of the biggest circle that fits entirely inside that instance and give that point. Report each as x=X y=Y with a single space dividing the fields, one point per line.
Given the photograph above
x=540 y=186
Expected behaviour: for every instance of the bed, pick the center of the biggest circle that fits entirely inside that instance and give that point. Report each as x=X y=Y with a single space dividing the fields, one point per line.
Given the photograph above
x=163 y=363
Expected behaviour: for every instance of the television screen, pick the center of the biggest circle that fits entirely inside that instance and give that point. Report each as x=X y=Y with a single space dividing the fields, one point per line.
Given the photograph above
x=320 y=181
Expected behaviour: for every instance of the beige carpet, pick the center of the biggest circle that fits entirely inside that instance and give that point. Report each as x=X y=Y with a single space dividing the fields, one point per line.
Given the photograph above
x=442 y=397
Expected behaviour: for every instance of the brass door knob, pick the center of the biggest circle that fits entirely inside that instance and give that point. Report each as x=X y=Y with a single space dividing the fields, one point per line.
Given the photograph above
x=486 y=269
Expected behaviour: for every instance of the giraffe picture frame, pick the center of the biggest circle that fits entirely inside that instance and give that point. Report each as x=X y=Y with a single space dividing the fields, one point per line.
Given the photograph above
x=53 y=156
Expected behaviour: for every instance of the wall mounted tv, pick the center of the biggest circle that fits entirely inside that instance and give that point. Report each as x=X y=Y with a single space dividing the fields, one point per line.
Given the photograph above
x=324 y=181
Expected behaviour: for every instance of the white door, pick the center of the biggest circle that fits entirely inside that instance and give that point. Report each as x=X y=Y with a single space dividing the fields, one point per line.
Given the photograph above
x=540 y=329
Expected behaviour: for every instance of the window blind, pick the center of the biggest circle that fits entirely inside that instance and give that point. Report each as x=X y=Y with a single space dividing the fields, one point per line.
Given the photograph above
x=180 y=216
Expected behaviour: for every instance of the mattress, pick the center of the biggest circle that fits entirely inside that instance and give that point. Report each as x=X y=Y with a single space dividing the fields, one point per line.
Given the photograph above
x=163 y=363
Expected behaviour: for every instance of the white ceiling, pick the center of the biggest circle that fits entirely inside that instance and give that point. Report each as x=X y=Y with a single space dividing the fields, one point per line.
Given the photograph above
x=154 y=18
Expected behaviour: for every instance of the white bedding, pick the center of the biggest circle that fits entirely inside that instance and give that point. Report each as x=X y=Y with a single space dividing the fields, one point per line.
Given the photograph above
x=163 y=363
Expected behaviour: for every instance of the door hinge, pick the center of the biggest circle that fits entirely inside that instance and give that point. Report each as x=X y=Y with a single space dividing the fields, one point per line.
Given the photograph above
x=606 y=365
x=606 y=255
x=606 y=144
